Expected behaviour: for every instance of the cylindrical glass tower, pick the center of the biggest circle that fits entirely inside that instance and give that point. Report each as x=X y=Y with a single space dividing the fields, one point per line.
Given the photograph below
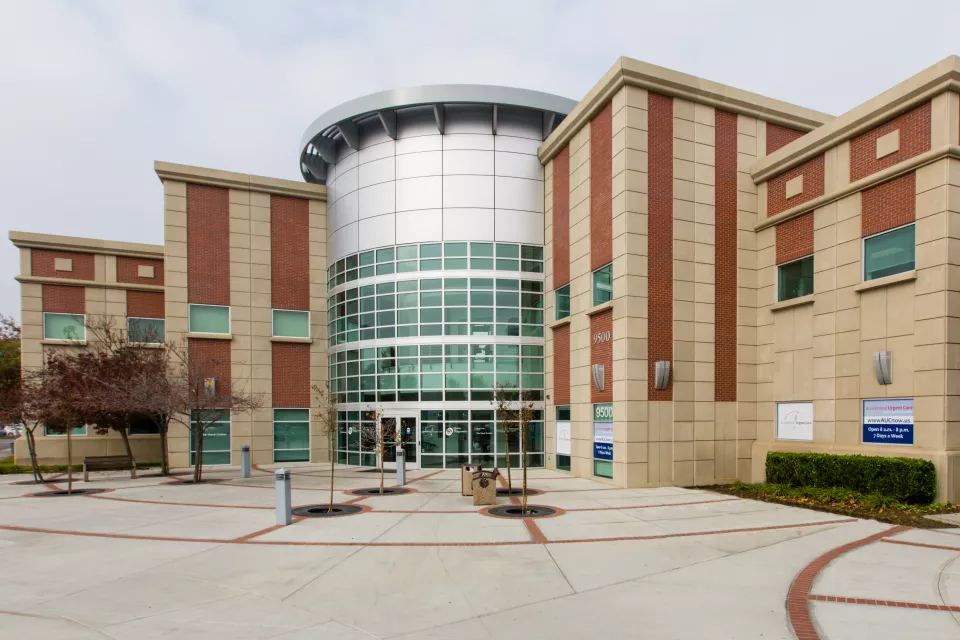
x=435 y=253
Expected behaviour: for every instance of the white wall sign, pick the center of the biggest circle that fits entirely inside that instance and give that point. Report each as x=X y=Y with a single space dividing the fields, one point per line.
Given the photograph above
x=795 y=421
x=563 y=438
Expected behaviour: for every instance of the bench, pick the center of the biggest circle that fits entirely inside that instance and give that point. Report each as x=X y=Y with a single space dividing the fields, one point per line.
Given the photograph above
x=108 y=463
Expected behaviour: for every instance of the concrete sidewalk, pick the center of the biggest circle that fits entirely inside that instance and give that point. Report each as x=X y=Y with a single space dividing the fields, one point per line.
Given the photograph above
x=151 y=560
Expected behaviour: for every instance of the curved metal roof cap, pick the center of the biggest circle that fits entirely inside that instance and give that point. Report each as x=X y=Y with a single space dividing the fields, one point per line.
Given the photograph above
x=437 y=94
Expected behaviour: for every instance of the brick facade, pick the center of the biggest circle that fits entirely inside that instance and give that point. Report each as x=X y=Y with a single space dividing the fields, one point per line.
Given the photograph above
x=795 y=238
x=812 y=172
x=888 y=205
x=561 y=365
x=211 y=359
x=291 y=375
x=601 y=188
x=660 y=232
x=208 y=245
x=601 y=352
x=290 y=253
x=58 y=298
x=43 y=264
x=914 y=127
x=561 y=218
x=145 y=304
x=779 y=137
x=725 y=307
x=128 y=270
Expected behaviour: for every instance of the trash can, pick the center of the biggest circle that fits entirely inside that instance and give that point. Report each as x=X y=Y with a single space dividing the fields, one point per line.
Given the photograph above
x=466 y=478
x=485 y=487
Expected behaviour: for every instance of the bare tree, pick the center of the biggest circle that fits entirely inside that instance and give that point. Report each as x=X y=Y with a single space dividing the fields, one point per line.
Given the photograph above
x=204 y=394
x=328 y=405
x=504 y=400
x=379 y=438
x=515 y=413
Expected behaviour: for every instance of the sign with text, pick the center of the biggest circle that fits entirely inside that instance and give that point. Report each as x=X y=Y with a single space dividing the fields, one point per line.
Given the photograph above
x=603 y=431
x=563 y=438
x=795 y=421
x=888 y=421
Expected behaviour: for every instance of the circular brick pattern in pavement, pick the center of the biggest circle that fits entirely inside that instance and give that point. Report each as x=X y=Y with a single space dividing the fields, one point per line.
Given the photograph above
x=517 y=491
x=65 y=493
x=322 y=510
x=375 y=491
x=516 y=511
x=210 y=481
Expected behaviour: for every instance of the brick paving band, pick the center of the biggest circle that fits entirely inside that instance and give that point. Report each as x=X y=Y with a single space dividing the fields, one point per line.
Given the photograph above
x=798 y=596
x=884 y=603
x=687 y=534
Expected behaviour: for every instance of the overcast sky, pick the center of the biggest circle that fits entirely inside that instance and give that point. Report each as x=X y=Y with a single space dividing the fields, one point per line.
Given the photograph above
x=91 y=93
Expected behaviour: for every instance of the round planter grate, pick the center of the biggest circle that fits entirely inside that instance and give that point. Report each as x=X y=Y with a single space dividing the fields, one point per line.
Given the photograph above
x=375 y=491
x=517 y=491
x=515 y=511
x=33 y=482
x=375 y=470
x=180 y=482
x=321 y=510
x=57 y=494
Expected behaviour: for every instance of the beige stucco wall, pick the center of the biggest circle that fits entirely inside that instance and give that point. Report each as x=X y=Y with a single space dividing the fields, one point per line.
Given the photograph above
x=822 y=351
x=102 y=301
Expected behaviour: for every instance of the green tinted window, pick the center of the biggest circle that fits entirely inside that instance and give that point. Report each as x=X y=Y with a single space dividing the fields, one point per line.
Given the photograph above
x=563 y=302
x=795 y=279
x=63 y=326
x=145 y=330
x=889 y=253
x=603 y=285
x=291 y=435
x=291 y=324
x=216 y=438
x=205 y=318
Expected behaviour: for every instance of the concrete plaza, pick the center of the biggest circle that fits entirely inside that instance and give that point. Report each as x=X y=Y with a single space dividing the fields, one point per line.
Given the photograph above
x=147 y=559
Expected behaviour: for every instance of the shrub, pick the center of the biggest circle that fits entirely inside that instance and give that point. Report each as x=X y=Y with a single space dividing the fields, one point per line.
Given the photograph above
x=907 y=480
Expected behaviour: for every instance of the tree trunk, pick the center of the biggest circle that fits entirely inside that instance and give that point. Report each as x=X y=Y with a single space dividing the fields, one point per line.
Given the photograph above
x=164 y=459
x=383 y=463
x=69 y=463
x=506 y=441
x=333 y=464
x=198 y=458
x=32 y=448
x=523 y=463
x=126 y=442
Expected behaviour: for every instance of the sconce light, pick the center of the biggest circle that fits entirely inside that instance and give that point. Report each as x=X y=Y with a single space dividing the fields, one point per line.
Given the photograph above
x=661 y=372
x=883 y=366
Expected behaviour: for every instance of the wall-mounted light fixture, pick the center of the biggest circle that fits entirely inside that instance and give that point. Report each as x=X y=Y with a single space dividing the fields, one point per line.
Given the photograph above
x=661 y=371
x=883 y=366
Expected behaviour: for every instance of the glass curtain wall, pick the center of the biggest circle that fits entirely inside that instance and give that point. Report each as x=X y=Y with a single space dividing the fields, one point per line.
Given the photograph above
x=440 y=325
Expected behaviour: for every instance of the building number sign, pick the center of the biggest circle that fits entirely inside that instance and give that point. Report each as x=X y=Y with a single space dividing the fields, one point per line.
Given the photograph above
x=601 y=336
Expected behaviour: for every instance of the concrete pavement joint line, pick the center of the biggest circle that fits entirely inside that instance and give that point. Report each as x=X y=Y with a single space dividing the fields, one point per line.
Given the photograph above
x=798 y=596
x=374 y=543
x=255 y=534
x=883 y=603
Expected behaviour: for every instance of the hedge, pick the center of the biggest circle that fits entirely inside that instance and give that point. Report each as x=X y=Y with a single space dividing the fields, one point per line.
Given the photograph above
x=907 y=480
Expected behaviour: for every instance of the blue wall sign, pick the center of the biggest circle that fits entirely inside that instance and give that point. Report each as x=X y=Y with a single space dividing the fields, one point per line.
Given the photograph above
x=603 y=431
x=888 y=421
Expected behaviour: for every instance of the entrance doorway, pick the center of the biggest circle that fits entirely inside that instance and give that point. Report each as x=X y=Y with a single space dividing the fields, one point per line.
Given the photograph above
x=411 y=440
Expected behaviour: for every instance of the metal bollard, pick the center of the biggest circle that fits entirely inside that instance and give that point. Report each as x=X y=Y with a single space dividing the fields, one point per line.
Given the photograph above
x=245 y=461
x=282 y=477
x=401 y=467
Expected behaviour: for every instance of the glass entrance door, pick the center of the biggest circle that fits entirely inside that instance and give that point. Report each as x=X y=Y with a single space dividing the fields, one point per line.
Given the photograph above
x=411 y=439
